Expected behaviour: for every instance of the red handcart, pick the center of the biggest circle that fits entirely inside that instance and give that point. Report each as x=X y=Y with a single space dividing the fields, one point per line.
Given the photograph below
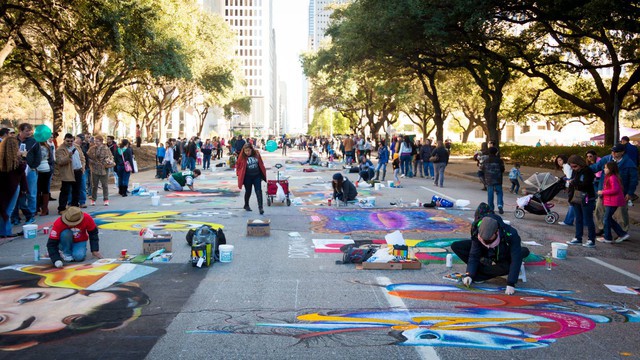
x=272 y=188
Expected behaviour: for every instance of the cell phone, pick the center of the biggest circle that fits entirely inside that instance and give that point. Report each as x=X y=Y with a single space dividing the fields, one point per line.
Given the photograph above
x=23 y=147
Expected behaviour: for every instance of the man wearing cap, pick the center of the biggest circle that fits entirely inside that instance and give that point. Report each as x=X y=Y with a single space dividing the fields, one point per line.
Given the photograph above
x=343 y=189
x=495 y=250
x=69 y=234
x=628 y=178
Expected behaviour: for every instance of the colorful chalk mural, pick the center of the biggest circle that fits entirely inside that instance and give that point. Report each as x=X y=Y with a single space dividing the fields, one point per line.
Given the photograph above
x=39 y=304
x=480 y=318
x=385 y=220
x=132 y=220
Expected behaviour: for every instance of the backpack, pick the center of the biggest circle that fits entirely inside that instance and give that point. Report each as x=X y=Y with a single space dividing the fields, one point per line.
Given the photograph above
x=513 y=174
x=356 y=255
x=207 y=235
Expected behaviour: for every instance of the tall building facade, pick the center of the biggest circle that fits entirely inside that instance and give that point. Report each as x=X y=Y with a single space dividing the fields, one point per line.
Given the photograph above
x=252 y=22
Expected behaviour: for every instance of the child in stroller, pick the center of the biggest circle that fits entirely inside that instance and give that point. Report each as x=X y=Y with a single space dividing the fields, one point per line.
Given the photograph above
x=547 y=187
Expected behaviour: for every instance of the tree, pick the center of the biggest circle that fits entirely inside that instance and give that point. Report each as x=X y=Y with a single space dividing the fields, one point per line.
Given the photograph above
x=593 y=40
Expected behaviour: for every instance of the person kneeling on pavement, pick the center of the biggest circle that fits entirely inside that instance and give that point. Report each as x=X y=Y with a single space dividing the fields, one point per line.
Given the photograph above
x=343 y=189
x=69 y=235
x=495 y=250
x=180 y=179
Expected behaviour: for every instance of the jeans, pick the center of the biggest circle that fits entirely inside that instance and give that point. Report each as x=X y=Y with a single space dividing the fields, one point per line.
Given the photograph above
x=206 y=161
x=515 y=186
x=21 y=204
x=32 y=183
x=191 y=163
x=77 y=250
x=439 y=180
x=384 y=168
x=183 y=163
x=123 y=176
x=255 y=183
x=405 y=165
x=5 y=225
x=428 y=168
x=570 y=218
x=584 y=216
x=610 y=223
x=418 y=168
x=498 y=189
x=82 y=199
x=174 y=185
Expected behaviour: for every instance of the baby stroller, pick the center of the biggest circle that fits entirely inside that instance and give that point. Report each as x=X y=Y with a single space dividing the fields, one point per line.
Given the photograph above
x=272 y=188
x=548 y=186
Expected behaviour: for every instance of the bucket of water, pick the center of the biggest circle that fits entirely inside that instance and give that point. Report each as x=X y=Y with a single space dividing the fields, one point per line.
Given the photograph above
x=559 y=250
x=30 y=231
x=226 y=253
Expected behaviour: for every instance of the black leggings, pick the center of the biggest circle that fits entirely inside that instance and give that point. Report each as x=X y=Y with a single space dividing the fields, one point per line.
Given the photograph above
x=43 y=182
x=255 y=183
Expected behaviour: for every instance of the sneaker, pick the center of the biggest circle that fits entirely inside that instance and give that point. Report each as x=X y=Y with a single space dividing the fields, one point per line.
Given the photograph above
x=83 y=206
x=402 y=175
x=30 y=220
x=574 y=241
x=622 y=238
x=589 y=244
x=500 y=211
x=562 y=223
x=166 y=187
x=106 y=203
x=66 y=257
x=603 y=240
x=93 y=203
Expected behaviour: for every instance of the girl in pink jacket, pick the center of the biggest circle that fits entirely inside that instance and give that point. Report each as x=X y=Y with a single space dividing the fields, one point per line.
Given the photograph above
x=612 y=198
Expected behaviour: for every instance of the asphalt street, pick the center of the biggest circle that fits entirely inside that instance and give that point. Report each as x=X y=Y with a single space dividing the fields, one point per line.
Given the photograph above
x=281 y=298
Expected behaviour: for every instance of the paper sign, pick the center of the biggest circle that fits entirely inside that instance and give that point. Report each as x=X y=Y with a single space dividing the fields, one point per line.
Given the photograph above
x=620 y=289
x=395 y=238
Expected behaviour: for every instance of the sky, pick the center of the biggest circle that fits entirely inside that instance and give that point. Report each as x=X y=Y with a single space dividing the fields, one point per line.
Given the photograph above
x=290 y=21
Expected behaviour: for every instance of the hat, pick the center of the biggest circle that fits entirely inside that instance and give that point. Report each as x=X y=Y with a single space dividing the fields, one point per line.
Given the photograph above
x=337 y=176
x=488 y=227
x=73 y=216
x=618 y=148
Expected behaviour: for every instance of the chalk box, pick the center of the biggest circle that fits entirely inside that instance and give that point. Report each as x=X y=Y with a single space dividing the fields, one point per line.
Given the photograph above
x=262 y=228
x=404 y=265
x=156 y=242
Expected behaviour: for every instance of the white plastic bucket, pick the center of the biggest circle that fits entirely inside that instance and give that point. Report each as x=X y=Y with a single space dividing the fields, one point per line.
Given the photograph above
x=371 y=200
x=559 y=250
x=30 y=231
x=153 y=192
x=376 y=186
x=226 y=253
x=155 y=200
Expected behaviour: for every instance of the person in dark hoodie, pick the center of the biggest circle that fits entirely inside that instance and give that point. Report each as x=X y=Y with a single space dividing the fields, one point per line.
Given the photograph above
x=494 y=250
x=343 y=189
x=492 y=169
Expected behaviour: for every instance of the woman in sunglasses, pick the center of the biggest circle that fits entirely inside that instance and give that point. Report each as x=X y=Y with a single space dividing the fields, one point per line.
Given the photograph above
x=494 y=250
x=582 y=198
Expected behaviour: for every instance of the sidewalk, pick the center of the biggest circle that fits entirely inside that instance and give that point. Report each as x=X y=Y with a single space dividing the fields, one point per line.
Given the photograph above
x=466 y=168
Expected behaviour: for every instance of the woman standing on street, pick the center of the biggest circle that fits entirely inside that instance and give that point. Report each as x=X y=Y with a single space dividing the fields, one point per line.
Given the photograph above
x=251 y=172
x=45 y=170
x=582 y=198
x=383 y=159
x=440 y=159
x=12 y=179
x=562 y=164
x=124 y=166
x=405 y=156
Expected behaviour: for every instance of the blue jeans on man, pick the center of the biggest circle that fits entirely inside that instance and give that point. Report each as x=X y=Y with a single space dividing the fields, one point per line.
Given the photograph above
x=428 y=168
x=32 y=195
x=77 y=250
x=498 y=190
x=191 y=163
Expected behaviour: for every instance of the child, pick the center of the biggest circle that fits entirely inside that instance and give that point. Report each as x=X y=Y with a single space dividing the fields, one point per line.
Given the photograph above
x=396 y=168
x=612 y=199
x=514 y=175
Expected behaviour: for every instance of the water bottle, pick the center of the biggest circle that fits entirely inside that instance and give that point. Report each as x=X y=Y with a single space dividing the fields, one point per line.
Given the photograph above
x=449 y=260
x=548 y=262
x=36 y=252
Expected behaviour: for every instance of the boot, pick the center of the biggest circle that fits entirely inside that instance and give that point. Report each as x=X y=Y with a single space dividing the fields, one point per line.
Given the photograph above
x=123 y=191
x=44 y=208
x=38 y=204
x=377 y=175
x=384 y=174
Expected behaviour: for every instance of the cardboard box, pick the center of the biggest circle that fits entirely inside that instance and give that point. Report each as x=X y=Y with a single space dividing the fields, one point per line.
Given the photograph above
x=405 y=265
x=262 y=228
x=156 y=242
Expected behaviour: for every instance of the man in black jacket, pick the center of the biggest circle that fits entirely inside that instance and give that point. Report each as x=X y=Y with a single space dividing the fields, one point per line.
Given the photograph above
x=494 y=250
x=30 y=153
x=492 y=169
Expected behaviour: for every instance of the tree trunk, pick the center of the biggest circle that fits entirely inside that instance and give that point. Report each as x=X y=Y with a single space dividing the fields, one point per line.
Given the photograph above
x=57 y=107
x=610 y=131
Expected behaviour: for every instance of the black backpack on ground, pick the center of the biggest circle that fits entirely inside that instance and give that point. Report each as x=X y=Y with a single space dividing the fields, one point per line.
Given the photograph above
x=207 y=234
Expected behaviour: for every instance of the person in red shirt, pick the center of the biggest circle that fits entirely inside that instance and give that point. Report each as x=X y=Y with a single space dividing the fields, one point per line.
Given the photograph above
x=69 y=234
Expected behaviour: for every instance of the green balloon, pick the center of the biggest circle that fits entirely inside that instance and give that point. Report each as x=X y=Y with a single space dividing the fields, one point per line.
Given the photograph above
x=272 y=146
x=42 y=133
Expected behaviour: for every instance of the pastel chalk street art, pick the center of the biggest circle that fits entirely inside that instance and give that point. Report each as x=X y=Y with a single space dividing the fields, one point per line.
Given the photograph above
x=480 y=318
x=132 y=220
x=41 y=304
x=346 y=221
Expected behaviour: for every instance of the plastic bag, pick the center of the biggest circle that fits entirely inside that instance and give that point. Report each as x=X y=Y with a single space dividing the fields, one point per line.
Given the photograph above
x=280 y=195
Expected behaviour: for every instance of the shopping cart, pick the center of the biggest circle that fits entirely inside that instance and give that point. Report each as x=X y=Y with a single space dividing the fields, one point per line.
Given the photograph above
x=272 y=188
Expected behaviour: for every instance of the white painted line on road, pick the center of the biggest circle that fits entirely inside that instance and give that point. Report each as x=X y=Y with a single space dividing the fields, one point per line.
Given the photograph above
x=425 y=352
x=439 y=193
x=614 y=268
